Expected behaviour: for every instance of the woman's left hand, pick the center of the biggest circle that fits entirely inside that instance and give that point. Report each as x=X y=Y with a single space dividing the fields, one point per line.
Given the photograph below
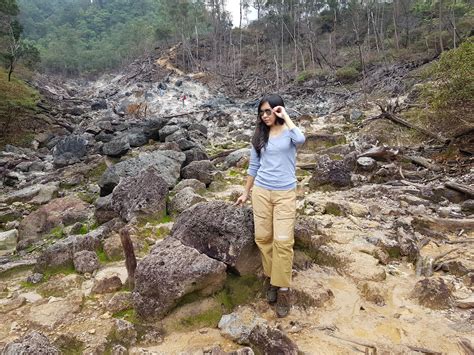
x=280 y=112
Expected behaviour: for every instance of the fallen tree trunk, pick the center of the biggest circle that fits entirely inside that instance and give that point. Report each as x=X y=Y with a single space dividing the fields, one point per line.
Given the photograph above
x=443 y=224
x=465 y=189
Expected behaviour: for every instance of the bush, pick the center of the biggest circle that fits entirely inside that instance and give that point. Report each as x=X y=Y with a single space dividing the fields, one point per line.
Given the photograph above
x=454 y=75
x=347 y=74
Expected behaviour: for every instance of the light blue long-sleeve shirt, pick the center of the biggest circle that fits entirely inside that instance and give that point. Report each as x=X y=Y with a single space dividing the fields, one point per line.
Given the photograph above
x=275 y=169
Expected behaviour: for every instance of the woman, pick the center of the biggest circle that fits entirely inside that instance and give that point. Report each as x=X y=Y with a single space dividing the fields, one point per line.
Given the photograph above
x=272 y=168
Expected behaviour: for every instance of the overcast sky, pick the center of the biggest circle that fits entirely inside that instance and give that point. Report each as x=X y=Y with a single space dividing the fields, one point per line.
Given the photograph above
x=233 y=6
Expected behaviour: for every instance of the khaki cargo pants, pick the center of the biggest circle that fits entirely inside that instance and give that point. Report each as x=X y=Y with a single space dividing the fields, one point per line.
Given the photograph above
x=274 y=216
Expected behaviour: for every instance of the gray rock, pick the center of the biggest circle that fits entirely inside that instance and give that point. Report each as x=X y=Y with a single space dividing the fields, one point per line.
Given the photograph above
x=356 y=114
x=59 y=212
x=32 y=343
x=196 y=185
x=167 y=131
x=8 y=239
x=123 y=332
x=35 y=278
x=202 y=170
x=69 y=150
x=104 y=209
x=104 y=137
x=269 y=341
x=116 y=147
x=99 y=105
x=239 y=324
x=120 y=302
x=236 y=157
x=168 y=163
x=176 y=136
x=330 y=174
x=185 y=144
x=170 y=272
x=61 y=254
x=468 y=206
x=195 y=154
x=433 y=293
x=143 y=195
x=107 y=284
x=152 y=128
x=184 y=199
x=86 y=261
x=222 y=232
x=136 y=138
x=366 y=164
x=198 y=127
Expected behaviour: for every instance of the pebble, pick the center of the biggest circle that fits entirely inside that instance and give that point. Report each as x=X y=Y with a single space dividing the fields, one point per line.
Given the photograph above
x=91 y=331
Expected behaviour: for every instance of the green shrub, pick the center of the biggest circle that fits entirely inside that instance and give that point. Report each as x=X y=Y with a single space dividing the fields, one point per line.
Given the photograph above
x=347 y=74
x=454 y=75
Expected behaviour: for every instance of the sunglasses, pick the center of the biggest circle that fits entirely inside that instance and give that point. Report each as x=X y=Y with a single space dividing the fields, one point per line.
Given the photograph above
x=267 y=112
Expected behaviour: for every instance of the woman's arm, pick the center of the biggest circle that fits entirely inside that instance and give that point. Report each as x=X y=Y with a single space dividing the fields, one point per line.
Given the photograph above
x=254 y=165
x=244 y=197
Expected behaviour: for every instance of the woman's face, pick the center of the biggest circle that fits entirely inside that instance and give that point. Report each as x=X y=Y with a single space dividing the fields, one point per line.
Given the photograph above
x=267 y=115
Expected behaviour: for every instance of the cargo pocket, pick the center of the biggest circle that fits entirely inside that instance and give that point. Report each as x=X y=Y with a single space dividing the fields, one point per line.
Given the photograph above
x=284 y=226
x=263 y=228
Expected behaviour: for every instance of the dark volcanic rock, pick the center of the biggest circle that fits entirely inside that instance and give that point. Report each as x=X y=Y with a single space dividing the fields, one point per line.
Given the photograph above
x=195 y=154
x=69 y=150
x=32 y=343
x=271 y=341
x=152 y=128
x=167 y=162
x=330 y=173
x=136 y=138
x=221 y=231
x=141 y=195
x=170 y=272
x=116 y=147
x=184 y=199
x=99 y=105
x=86 y=261
x=202 y=170
x=433 y=293
x=57 y=213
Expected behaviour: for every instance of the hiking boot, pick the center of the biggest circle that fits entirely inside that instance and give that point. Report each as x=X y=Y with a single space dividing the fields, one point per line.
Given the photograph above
x=272 y=293
x=283 y=303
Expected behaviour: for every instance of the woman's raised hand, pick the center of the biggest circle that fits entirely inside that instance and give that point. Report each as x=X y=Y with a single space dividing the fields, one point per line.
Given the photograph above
x=280 y=111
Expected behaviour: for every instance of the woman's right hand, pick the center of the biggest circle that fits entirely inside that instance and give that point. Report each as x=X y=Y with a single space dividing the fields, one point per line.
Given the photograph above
x=242 y=199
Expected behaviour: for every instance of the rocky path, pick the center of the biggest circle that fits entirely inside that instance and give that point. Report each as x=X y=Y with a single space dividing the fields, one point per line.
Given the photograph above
x=383 y=255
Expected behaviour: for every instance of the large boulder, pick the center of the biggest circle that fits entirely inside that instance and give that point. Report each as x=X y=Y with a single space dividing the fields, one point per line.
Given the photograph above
x=170 y=272
x=116 y=147
x=167 y=162
x=221 y=231
x=195 y=154
x=32 y=343
x=330 y=174
x=57 y=213
x=142 y=195
x=202 y=170
x=86 y=261
x=61 y=254
x=152 y=127
x=69 y=150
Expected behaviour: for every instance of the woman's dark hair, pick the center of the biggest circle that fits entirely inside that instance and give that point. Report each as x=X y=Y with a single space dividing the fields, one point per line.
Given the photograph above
x=262 y=131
